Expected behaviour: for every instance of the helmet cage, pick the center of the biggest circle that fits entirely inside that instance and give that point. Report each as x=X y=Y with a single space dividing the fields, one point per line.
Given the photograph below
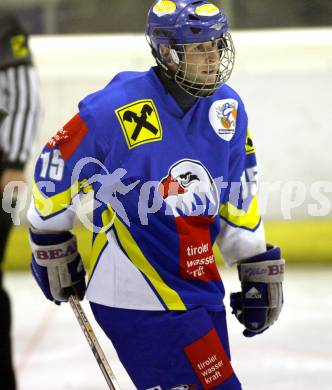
x=202 y=79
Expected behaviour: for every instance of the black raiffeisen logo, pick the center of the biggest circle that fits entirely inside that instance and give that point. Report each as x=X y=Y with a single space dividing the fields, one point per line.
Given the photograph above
x=140 y=122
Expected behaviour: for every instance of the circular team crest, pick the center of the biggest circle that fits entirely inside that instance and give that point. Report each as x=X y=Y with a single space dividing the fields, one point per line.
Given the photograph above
x=164 y=7
x=222 y=116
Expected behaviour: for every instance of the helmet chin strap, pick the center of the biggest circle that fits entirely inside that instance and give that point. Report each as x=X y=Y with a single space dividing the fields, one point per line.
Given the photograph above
x=168 y=72
x=182 y=97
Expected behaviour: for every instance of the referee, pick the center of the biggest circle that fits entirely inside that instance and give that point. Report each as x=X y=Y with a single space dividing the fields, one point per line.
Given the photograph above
x=19 y=97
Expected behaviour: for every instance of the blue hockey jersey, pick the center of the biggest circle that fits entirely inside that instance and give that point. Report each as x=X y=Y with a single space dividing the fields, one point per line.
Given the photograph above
x=166 y=185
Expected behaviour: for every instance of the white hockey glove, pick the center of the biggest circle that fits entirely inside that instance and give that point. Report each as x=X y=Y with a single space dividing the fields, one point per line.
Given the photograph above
x=56 y=265
x=259 y=303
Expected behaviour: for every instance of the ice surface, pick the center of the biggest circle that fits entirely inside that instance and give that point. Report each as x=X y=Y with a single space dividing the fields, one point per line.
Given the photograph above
x=51 y=352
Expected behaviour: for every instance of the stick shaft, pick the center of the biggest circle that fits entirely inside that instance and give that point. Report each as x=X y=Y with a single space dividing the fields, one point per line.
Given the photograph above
x=93 y=342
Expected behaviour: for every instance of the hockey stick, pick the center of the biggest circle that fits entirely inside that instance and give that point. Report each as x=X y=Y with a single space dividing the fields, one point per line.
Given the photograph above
x=93 y=342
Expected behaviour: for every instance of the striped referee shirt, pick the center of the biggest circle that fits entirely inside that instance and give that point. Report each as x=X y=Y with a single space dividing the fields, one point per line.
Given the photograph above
x=18 y=95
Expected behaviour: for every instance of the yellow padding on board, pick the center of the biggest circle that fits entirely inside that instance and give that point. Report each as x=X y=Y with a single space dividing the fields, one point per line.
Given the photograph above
x=302 y=242
x=241 y=218
x=169 y=296
x=307 y=241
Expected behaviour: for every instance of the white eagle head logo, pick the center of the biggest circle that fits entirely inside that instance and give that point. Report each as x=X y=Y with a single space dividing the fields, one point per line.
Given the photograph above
x=189 y=189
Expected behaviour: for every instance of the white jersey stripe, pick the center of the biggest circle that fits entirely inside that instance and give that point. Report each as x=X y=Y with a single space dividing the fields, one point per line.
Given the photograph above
x=32 y=120
x=17 y=128
x=3 y=103
x=10 y=90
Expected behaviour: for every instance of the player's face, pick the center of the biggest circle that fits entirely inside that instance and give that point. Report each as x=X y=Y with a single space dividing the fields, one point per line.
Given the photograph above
x=201 y=62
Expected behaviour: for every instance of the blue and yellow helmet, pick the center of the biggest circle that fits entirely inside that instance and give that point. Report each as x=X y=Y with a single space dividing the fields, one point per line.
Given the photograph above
x=179 y=23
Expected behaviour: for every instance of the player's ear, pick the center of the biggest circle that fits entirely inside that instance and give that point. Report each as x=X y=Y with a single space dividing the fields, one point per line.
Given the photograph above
x=165 y=54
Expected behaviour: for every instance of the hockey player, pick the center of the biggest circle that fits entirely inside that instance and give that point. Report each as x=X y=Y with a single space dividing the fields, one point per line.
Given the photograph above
x=172 y=165
x=19 y=97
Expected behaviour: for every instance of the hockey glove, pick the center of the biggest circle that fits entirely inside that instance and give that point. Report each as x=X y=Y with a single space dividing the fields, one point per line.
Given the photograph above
x=259 y=303
x=57 y=266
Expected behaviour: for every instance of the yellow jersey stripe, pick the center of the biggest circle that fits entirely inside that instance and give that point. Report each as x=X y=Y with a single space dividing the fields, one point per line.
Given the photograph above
x=98 y=246
x=241 y=218
x=49 y=205
x=101 y=240
x=169 y=296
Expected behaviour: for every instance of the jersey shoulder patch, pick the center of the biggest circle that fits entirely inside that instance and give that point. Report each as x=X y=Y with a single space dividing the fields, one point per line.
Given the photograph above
x=223 y=116
x=69 y=137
